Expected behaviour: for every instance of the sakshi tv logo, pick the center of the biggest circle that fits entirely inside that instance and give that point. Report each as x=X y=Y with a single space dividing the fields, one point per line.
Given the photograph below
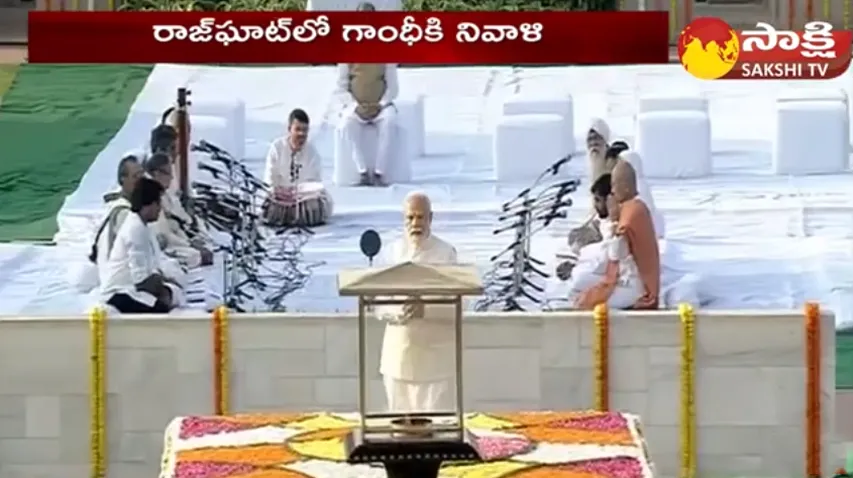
x=710 y=49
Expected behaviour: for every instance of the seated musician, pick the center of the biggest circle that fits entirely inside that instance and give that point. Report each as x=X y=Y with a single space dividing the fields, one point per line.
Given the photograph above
x=175 y=229
x=133 y=280
x=294 y=172
x=622 y=286
x=370 y=90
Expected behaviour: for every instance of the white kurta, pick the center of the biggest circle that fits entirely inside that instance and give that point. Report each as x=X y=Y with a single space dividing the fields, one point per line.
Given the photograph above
x=134 y=257
x=285 y=168
x=356 y=128
x=171 y=237
x=417 y=361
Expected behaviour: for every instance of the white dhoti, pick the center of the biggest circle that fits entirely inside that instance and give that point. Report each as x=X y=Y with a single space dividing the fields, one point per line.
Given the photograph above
x=625 y=294
x=355 y=129
x=405 y=396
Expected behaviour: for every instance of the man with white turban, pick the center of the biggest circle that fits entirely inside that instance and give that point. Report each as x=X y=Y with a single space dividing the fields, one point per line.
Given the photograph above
x=601 y=158
x=370 y=90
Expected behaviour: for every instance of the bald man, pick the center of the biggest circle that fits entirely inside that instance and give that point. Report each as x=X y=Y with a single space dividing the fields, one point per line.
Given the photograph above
x=418 y=348
x=634 y=223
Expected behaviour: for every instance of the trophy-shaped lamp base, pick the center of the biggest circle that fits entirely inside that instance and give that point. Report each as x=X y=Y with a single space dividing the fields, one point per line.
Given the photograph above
x=410 y=456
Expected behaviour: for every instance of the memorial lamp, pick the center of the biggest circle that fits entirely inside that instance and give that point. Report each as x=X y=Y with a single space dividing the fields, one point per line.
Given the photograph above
x=410 y=445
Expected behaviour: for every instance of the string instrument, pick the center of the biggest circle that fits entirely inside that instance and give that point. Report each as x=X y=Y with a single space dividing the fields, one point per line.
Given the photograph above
x=181 y=124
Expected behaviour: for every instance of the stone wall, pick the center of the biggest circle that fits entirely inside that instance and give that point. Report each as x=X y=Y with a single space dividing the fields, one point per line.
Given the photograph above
x=750 y=381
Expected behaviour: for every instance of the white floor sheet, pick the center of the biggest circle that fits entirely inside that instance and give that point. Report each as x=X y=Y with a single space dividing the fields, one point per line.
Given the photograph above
x=757 y=240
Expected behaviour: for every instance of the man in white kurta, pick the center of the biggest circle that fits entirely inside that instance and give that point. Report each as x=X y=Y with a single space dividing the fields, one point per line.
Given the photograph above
x=369 y=91
x=175 y=228
x=418 y=347
x=133 y=280
x=294 y=168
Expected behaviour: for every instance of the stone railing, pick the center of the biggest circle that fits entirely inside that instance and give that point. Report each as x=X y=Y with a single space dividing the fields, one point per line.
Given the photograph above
x=750 y=381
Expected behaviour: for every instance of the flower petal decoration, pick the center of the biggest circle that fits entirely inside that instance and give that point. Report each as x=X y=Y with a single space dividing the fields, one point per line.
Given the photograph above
x=328 y=434
x=488 y=422
x=494 y=469
x=258 y=455
x=577 y=437
x=619 y=467
x=597 y=421
x=208 y=469
x=330 y=469
x=331 y=449
x=500 y=447
x=266 y=419
x=323 y=421
x=203 y=426
x=273 y=472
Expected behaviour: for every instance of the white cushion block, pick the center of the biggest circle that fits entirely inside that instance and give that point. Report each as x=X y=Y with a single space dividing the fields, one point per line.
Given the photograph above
x=811 y=138
x=660 y=102
x=346 y=172
x=823 y=94
x=524 y=145
x=234 y=113
x=350 y=5
x=674 y=144
x=410 y=115
x=524 y=104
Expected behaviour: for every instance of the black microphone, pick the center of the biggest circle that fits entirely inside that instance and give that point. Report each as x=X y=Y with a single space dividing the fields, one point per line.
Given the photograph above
x=210 y=147
x=214 y=171
x=555 y=168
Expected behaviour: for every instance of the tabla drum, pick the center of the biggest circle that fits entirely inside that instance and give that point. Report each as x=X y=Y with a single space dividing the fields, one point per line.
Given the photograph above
x=311 y=207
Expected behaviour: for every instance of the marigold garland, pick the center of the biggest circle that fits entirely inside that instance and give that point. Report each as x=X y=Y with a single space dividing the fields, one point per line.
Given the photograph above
x=602 y=357
x=97 y=393
x=688 y=392
x=221 y=361
x=813 y=381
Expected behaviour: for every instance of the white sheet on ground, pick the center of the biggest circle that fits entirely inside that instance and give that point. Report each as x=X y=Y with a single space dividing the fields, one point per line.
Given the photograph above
x=756 y=241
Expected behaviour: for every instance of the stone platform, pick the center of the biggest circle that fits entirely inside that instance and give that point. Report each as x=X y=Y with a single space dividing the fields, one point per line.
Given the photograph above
x=750 y=382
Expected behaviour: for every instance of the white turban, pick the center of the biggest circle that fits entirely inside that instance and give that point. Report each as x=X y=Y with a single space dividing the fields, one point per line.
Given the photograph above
x=600 y=126
x=633 y=158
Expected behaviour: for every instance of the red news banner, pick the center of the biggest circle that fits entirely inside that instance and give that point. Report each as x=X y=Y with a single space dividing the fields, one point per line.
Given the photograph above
x=347 y=37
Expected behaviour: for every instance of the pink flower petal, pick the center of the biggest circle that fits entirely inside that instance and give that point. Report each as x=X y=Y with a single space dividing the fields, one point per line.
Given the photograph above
x=607 y=422
x=622 y=467
x=208 y=469
x=193 y=427
x=498 y=448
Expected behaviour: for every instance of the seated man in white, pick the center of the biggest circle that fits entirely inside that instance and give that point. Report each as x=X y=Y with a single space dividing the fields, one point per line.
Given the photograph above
x=596 y=257
x=133 y=281
x=294 y=172
x=369 y=90
x=417 y=351
x=602 y=158
x=175 y=229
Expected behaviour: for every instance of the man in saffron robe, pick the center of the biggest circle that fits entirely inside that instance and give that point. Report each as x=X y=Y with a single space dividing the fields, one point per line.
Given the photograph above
x=634 y=223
